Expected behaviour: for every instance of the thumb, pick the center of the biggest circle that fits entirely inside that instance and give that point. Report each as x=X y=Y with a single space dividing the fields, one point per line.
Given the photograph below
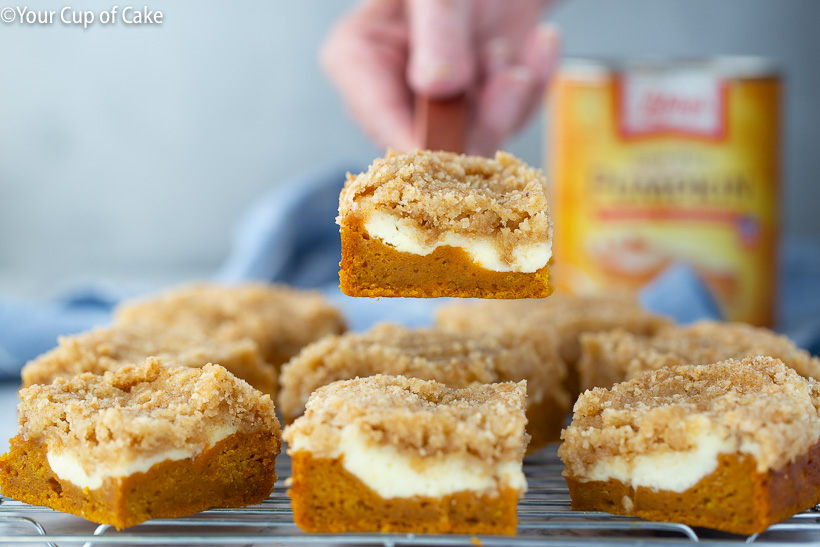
x=442 y=61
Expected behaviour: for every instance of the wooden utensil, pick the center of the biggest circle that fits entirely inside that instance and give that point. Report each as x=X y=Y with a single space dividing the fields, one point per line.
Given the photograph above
x=441 y=124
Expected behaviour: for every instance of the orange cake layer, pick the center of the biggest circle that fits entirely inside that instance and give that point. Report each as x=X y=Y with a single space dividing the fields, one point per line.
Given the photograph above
x=235 y=472
x=733 y=445
x=734 y=498
x=610 y=357
x=281 y=320
x=326 y=498
x=371 y=268
x=554 y=325
x=101 y=350
x=429 y=224
x=142 y=441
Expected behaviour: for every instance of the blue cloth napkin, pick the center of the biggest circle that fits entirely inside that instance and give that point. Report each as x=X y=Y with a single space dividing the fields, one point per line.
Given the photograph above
x=290 y=236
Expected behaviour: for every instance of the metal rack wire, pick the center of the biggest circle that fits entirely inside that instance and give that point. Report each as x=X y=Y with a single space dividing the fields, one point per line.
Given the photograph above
x=545 y=517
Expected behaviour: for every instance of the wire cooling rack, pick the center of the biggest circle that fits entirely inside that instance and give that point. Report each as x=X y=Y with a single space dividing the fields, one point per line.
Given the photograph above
x=544 y=517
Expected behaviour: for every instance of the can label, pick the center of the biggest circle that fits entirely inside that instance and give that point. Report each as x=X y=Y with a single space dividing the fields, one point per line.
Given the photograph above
x=651 y=169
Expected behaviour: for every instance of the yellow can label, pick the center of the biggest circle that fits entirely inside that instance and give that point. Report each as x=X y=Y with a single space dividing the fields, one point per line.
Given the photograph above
x=653 y=169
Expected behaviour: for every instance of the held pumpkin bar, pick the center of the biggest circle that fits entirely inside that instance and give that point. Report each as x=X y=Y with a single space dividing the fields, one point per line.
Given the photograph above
x=396 y=454
x=555 y=322
x=454 y=359
x=733 y=446
x=429 y=224
x=281 y=320
x=101 y=350
x=610 y=357
x=145 y=441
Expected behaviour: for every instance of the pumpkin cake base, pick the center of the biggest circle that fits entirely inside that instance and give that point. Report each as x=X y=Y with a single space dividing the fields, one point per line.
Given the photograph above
x=372 y=268
x=235 y=472
x=327 y=498
x=735 y=497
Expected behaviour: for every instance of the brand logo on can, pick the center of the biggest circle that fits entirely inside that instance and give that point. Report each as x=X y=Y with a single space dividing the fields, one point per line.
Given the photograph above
x=691 y=104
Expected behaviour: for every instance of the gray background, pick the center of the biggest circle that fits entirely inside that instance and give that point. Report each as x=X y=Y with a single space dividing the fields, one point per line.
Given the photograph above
x=128 y=153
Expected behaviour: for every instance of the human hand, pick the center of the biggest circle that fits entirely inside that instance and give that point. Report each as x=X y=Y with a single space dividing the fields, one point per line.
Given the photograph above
x=386 y=51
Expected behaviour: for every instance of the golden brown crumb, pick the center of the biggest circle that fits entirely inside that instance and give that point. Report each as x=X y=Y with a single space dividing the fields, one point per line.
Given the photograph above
x=281 y=320
x=562 y=316
x=141 y=410
x=446 y=192
x=765 y=406
x=610 y=357
x=455 y=359
x=421 y=417
x=101 y=350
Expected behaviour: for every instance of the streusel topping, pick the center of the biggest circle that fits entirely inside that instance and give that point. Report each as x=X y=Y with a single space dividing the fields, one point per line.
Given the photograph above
x=100 y=350
x=442 y=191
x=564 y=315
x=766 y=407
x=141 y=410
x=281 y=320
x=455 y=359
x=419 y=417
x=707 y=342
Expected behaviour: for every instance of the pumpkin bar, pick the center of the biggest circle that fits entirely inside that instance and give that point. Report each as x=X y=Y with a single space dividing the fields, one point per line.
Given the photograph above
x=101 y=350
x=281 y=320
x=429 y=224
x=615 y=356
x=454 y=359
x=733 y=446
x=396 y=454
x=145 y=441
x=552 y=324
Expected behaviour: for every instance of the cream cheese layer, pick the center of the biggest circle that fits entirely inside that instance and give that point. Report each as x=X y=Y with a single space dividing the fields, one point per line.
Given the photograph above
x=405 y=236
x=394 y=474
x=68 y=466
x=675 y=471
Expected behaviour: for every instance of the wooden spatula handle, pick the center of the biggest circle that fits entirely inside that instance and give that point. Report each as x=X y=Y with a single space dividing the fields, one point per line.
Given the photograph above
x=441 y=124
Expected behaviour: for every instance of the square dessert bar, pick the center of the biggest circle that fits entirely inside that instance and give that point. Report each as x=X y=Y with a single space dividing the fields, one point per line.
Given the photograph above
x=428 y=224
x=145 y=441
x=610 y=357
x=281 y=320
x=396 y=454
x=558 y=321
x=454 y=359
x=101 y=350
x=733 y=446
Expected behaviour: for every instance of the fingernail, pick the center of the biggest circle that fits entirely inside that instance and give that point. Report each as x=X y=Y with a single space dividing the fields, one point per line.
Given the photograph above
x=438 y=79
x=510 y=103
x=548 y=39
x=499 y=55
x=522 y=74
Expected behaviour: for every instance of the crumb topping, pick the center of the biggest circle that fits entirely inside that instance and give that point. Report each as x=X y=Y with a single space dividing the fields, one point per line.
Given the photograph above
x=627 y=355
x=446 y=192
x=454 y=359
x=101 y=350
x=565 y=316
x=281 y=320
x=769 y=409
x=420 y=417
x=140 y=410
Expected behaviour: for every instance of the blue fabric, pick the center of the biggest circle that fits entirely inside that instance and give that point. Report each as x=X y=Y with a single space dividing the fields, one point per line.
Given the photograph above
x=290 y=236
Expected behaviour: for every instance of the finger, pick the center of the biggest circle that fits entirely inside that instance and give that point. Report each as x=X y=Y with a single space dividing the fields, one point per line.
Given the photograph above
x=501 y=105
x=497 y=56
x=541 y=54
x=442 y=61
x=364 y=57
